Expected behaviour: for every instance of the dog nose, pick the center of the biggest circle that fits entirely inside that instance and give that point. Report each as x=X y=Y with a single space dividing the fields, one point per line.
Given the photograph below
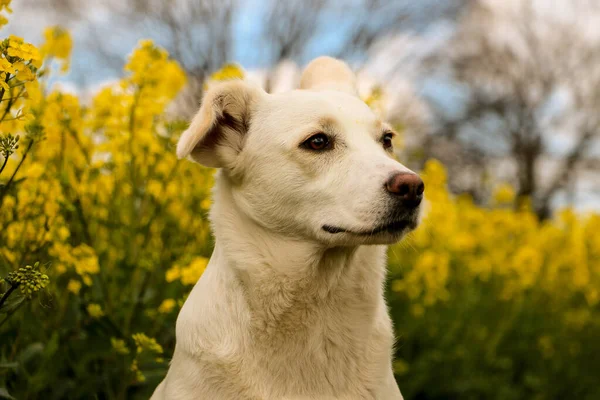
x=408 y=187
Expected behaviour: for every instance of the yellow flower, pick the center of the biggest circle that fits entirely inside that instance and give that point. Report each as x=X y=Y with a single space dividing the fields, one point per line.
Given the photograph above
x=35 y=170
x=205 y=203
x=166 y=306
x=86 y=260
x=228 y=72
x=5 y=5
x=143 y=342
x=87 y=280
x=58 y=45
x=139 y=376
x=152 y=71
x=9 y=202
x=155 y=188
x=63 y=233
x=191 y=273
x=95 y=310
x=6 y=66
x=188 y=275
x=60 y=268
x=119 y=345
x=504 y=194
x=25 y=51
x=23 y=72
x=3 y=83
x=173 y=273
x=74 y=286
x=376 y=100
x=527 y=262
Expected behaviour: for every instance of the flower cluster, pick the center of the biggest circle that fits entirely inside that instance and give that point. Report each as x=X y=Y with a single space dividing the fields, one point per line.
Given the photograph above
x=58 y=45
x=105 y=203
x=145 y=346
x=512 y=248
x=19 y=68
x=4 y=6
x=166 y=306
x=29 y=279
x=144 y=343
x=95 y=310
x=188 y=275
x=488 y=289
x=225 y=73
x=119 y=346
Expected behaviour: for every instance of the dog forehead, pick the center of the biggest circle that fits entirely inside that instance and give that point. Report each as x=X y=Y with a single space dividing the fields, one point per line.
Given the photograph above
x=304 y=107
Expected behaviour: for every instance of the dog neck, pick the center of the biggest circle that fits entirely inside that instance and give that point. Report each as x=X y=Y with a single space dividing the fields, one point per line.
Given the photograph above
x=279 y=274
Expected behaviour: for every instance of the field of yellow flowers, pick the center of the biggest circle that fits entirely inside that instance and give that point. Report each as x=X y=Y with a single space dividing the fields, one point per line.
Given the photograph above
x=103 y=233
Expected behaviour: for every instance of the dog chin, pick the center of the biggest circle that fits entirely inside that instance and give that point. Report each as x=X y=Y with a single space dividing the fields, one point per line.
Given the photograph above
x=389 y=233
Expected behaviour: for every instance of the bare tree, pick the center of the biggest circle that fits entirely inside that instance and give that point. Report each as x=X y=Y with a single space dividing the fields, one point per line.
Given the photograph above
x=527 y=76
x=204 y=34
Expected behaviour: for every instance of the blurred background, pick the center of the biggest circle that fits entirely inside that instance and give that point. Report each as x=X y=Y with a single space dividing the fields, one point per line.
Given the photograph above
x=507 y=89
x=497 y=102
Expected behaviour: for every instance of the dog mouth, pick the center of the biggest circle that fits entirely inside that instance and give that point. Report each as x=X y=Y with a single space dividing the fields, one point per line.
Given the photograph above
x=392 y=227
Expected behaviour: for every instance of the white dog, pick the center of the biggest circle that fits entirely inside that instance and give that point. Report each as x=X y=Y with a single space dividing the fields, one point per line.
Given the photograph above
x=308 y=194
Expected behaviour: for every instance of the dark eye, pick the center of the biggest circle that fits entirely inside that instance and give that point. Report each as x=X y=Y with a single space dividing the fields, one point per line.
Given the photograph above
x=387 y=140
x=317 y=142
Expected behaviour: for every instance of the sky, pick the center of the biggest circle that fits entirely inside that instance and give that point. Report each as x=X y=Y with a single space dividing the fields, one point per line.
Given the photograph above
x=29 y=23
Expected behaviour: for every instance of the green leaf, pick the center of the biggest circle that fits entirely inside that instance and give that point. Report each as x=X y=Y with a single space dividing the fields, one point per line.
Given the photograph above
x=52 y=345
x=12 y=303
x=31 y=351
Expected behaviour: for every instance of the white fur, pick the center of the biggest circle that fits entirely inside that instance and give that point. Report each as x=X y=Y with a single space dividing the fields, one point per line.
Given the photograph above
x=286 y=310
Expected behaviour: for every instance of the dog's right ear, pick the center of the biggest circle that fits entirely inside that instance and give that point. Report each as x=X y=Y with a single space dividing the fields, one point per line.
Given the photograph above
x=216 y=134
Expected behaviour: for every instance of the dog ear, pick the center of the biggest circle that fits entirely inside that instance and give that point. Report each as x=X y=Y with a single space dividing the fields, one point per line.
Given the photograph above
x=326 y=73
x=216 y=134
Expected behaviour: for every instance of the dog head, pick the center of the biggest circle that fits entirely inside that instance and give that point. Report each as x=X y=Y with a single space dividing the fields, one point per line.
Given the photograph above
x=314 y=163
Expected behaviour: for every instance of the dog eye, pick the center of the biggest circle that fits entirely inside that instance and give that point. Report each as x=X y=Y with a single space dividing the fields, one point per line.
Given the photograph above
x=317 y=142
x=387 y=140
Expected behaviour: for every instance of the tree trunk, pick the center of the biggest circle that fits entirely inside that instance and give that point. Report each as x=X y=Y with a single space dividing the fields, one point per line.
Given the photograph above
x=527 y=158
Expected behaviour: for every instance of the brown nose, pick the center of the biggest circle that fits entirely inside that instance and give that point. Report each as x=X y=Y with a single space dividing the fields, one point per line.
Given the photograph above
x=408 y=187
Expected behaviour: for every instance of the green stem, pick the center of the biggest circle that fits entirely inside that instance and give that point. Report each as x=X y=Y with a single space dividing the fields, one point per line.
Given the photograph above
x=136 y=99
x=5 y=188
x=61 y=154
x=7 y=109
x=14 y=98
x=78 y=143
x=4 y=164
x=18 y=84
x=11 y=102
x=13 y=119
x=18 y=96
x=7 y=293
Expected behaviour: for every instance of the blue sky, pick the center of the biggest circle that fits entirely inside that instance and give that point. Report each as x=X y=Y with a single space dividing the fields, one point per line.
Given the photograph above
x=249 y=49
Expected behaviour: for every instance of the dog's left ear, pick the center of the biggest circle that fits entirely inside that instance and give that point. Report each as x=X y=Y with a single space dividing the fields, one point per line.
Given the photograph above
x=216 y=134
x=327 y=73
